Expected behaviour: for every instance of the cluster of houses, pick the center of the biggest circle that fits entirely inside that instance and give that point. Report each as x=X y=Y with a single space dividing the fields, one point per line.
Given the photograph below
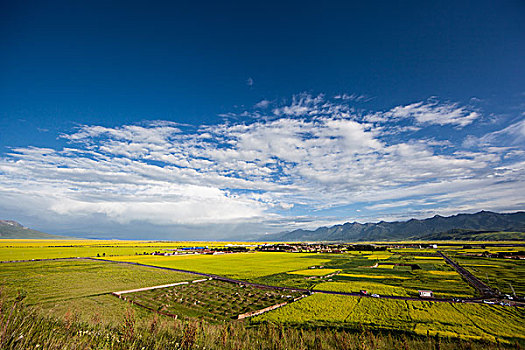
x=304 y=247
x=336 y=248
x=229 y=248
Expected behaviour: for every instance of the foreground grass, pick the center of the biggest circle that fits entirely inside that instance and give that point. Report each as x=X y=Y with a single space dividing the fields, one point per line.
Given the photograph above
x=24 y=328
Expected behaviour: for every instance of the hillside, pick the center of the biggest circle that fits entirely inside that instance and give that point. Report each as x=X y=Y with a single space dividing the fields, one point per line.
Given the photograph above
x=484 y=225
x=13 y=230
x=468 y=235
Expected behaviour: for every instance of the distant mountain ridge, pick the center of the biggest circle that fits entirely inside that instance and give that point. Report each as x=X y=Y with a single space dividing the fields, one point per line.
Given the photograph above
x=10 y=229
x=461 y=226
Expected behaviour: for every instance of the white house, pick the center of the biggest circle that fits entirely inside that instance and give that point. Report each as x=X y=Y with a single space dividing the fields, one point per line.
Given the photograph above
x=425 y=294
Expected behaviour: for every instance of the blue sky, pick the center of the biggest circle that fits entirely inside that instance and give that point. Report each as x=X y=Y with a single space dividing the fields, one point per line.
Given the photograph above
x=175 y=120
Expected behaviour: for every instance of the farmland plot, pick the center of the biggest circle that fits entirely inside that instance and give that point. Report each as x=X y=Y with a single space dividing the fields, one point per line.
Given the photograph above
x=239 y=265
x=465 y=321
x=212 y=300
x=80 y=287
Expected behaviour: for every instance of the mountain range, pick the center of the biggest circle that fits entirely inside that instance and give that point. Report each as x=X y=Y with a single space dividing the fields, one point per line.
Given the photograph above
x=481 y=226
x=10 y=229
x=484 y=225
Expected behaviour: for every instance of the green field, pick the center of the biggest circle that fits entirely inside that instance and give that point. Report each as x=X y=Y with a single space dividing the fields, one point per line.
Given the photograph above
x=80 y=289
x=466 y=321
x=212 y=300
x=357 y=273
x=356 y=286
x=291 y=270
x=27 y=249
x=80 y=286
x=239 y=265
x=497 y=273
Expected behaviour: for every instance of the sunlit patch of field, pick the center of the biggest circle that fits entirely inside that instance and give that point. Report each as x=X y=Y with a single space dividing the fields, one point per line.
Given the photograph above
x=238 y=265
x=355 y=275
x=386 y=266
x=414 y=250
x=379 y=256
x=465 y=321
x=314 y=272
x=428 y=257
x=442 y=273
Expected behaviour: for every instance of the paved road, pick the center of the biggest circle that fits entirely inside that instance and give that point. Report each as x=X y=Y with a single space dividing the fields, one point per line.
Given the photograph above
x=486 y=291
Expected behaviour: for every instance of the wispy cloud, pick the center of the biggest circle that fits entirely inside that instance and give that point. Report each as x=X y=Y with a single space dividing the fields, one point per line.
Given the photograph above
x=432 y=112
x=263 y=104
x=352 y=97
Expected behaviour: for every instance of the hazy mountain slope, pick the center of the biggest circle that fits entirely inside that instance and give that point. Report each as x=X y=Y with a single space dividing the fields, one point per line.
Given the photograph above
x=411 y=229
x=13 y=230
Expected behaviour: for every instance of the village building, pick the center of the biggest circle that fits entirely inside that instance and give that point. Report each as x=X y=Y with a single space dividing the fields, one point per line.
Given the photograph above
x=426 y=294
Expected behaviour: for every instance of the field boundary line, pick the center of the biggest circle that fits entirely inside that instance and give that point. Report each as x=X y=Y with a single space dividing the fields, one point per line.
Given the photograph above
x=159 y=287
x=260 y=311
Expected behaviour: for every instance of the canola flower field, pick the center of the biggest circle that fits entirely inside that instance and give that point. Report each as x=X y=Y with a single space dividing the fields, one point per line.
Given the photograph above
x=239 y=266
x=466 y=321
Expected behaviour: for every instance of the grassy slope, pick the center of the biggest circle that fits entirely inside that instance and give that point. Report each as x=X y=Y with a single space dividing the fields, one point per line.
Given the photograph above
x=79 y=286
x=44 y=333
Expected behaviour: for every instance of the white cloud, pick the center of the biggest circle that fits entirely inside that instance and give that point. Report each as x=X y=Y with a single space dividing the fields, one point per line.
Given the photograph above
x=352 y=97
x=313 y=154
x=514 y=132
x=435 y=113
x=263 y=104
